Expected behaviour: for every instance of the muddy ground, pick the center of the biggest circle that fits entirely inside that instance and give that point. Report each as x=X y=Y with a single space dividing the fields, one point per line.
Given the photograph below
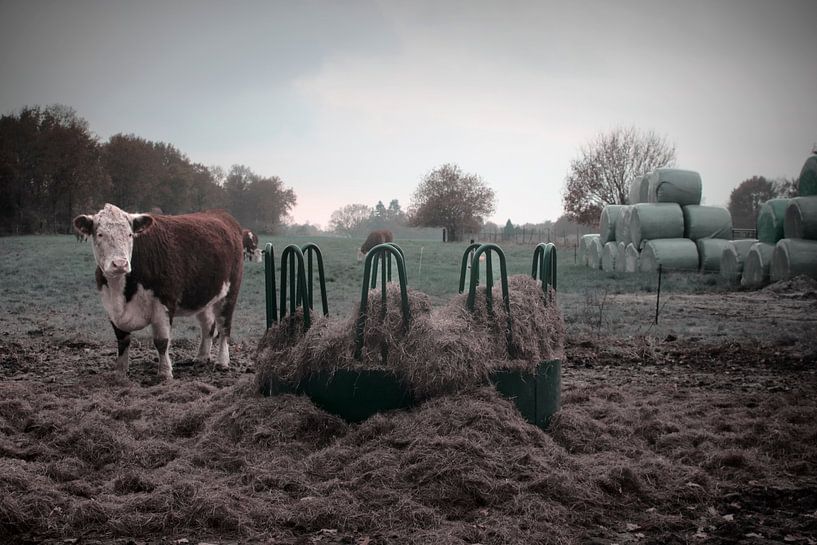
x=675 y=434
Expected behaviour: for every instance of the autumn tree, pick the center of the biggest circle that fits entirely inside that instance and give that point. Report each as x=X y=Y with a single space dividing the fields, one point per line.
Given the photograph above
x=746 y=198
x=257 y=202
x=605 y=167
x=452 y=199
x=350 y=220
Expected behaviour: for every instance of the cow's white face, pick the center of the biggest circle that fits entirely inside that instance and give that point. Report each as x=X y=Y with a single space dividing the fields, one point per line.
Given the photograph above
x=111 y=231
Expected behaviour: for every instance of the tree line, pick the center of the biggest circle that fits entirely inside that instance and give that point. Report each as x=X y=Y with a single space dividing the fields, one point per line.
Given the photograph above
x=52 y=167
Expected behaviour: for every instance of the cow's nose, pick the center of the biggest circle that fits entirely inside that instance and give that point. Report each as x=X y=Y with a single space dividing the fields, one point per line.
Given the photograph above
x=120 y=263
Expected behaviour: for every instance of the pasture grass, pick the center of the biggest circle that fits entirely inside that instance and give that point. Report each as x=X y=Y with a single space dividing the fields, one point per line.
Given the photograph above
x=47 y=283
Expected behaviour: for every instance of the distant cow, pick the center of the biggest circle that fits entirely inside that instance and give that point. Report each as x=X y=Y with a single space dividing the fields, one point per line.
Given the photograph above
x=250 y=241
x=147 y=275
x=379 y=236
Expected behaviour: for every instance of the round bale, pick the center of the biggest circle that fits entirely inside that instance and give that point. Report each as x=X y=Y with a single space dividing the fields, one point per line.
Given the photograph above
x=670 y=253
x=707 y=222
x=801 y=218
x=631 y=258
x=757 y=265
x=732 y=259
x=607 y=222
x=770 y=218
x=793 y=257
x=807 y=182
x=608 y=256
x=710 y=251
x=675 y=185
x=651 y=221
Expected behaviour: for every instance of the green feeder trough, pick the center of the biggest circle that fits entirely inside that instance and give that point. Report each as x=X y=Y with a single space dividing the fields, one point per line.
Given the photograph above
x=357 y=394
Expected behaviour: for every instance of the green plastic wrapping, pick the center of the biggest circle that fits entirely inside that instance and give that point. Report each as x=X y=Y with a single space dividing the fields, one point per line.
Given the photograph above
x=639 y=190
x=807 y=183
x=710 y=251
x=801 y=218
x=650 y=221
x=623 y=225
x=608 y=256
x=732 y=258
x=631 y=258
x=620 y=256
x=584 y=247
x=707 y=222
x=675 y=185
x=757 y=265
x=793 y=257
x=607 y=222
x=770 y=219
x=670 y=253
x=594 y=253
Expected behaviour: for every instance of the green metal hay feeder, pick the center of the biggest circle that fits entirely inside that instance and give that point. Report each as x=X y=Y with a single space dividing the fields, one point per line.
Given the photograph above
x=355 y=395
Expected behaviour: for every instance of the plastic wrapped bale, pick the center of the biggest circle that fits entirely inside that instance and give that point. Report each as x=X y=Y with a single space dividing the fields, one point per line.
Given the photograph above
x=707 y=222
x=801 y=218
x=670 y=253
x=631 y=258
x=656 y=221
x=621 y=255
x=732 y=259
x=584 y=247
x=608 y=256
x=770 y=219
x=675 y=185
x=757 y=266
x=639 y=190
x=710 y=251
x=607 y=222
x=807 y=182
x=793 y=257
x=594 y=253
x=623 y=225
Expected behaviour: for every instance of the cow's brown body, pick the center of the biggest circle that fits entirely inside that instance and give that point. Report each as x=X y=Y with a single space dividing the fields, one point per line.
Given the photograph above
x=380 y=236
x=165 y=279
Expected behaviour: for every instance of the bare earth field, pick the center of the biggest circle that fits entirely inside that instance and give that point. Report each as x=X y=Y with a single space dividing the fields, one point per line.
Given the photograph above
x=701 y=429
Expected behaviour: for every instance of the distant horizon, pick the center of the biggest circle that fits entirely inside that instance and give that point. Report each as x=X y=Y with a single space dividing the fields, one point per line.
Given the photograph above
x=356 y=102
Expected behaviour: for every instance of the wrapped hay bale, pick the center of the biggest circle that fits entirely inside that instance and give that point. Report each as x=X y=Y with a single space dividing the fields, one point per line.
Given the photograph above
x=621 y=255
x=807 y=182
x=594 y=253
x=732 y=259
x=770 y=219
x=757 y=265
x=675 y=185
x=655 y=221
x=792 y=257
x=444 y=350
x=710 y=251
x=607 y=222
x=800 y=220
x=631 y=258
x=640 y=190
x=707 y=222
x=584 y=248
x=623 y=225
x=670 y=253
x=608 y=256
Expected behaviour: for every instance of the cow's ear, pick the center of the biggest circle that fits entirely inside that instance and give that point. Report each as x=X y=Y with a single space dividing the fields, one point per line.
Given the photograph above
x=141 y=223
x=84 y=225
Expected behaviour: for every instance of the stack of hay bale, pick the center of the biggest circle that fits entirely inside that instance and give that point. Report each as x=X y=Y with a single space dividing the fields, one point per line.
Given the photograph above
x=664 y=224
x=787 y=231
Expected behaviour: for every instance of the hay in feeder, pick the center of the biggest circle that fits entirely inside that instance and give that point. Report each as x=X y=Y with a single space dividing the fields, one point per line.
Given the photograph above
x=801 y=218
x=807 y=182
x=656 y=221
x=674 y=185
x=623 y=225
x=607 y=222
x=793 y=257
x=732 y=258
x=444 y=350
x=631 y=258
x=770 y=219
x=757 y=265
x=670 y=253
x=707 y=222
x=710 y=251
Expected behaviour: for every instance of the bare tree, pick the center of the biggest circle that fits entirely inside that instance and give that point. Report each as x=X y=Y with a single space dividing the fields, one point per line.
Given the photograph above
x=351 y=219
x=449 y=198
x=605 y=167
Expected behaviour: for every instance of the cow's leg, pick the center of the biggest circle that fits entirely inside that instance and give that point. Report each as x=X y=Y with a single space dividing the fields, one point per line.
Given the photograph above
x=224 y=321
x=122 y=345
x=207 y=321
x=161 y=340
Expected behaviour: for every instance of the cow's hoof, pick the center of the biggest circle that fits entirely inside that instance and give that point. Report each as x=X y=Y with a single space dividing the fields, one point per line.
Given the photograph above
x=165 y=375
x=222 y=366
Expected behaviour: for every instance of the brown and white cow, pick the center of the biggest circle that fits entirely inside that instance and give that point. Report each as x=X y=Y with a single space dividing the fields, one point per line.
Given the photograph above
x=250 y=240
x=376 y=237
x=147 y=275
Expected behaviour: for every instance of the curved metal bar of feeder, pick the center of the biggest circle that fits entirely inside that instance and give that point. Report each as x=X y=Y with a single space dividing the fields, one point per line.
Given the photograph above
x=360 y=324
x=387 y=266
x=296 y=295
x=503 y=272
x=544 y=256
x=464 y=266
x=269 y=284
x=308 y=250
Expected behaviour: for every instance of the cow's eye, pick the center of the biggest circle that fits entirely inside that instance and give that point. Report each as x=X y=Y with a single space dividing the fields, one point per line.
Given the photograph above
x=130 y=235
x=99 y=235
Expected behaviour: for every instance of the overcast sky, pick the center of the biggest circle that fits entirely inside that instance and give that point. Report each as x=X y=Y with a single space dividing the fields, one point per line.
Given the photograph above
x=355 y=101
